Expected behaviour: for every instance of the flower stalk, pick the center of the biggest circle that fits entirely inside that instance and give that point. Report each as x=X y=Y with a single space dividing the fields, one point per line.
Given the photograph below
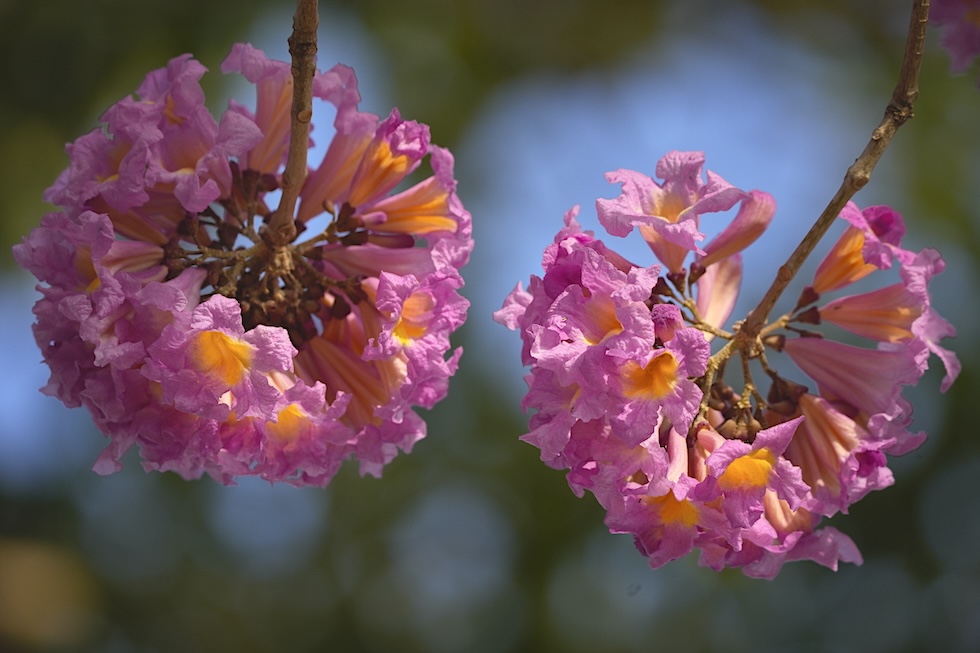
x=302 y=49
x=897 y=113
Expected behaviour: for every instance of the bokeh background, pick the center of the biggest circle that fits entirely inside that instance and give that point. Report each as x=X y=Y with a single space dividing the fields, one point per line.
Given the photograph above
x=470 y=543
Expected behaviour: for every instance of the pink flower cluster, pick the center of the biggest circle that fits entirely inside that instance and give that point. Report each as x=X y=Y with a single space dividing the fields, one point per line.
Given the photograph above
x=171 y=314
x=620 y=363
x=960 y=20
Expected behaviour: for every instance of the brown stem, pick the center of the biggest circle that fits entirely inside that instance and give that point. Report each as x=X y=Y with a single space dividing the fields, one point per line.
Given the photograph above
x=302 y=49
x=897 y=113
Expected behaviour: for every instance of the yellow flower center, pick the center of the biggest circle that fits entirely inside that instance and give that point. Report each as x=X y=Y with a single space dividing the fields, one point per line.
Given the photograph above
x=415 y=316
x=221 y=357
x=603 y=322
x=670 y=207
x=672 y=511
x=86 y=269
x=749 y=471
x=170 y=113
x=654 y=381
x=292 y=420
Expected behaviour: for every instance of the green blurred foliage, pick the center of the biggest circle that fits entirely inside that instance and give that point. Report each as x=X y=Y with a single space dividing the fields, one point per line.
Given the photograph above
x=160 y=574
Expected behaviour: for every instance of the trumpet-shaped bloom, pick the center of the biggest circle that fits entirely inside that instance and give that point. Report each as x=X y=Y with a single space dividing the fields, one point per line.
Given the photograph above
x=753 y=217
x=783 y=535
x=840 y=370
x=185 y=331
x=668 y=214
x=211 y=367
x=840 y=460
x=717 y=290
x=870 y=243
x=743 y=473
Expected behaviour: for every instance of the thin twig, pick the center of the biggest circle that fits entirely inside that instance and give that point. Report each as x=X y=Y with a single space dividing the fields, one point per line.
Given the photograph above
x=897 y=113
x=302 y=49
x=328 y=282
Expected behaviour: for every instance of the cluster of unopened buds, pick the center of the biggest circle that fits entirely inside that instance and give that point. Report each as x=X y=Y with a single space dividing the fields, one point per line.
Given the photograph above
x=175 y=311
x=629 y=399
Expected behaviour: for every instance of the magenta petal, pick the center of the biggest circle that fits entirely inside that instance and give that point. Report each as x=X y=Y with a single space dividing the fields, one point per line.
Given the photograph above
x=668 y=212
x=754 y=216
x=717 y=290
x=869 y=379
x=961 y=33
x=620 y=215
